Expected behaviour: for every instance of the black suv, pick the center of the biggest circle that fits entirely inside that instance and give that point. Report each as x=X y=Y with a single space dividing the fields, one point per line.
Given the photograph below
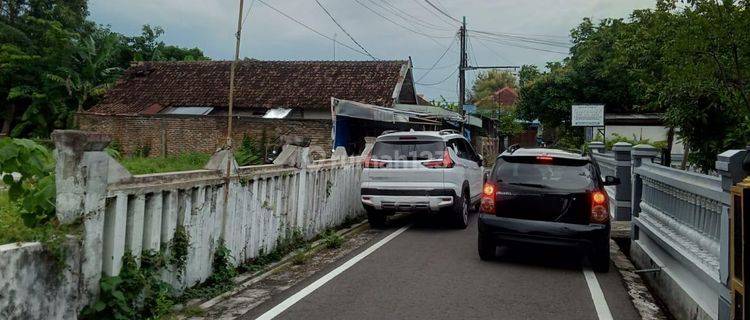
x=546 y=196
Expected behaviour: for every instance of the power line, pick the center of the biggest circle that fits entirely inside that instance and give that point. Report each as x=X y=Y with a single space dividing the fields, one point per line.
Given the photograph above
x=414 y=18
x=443 y=67
x=432 y=37
x=502 y=57
x=311 y=29
x=344 y=30
x=438 y=60
x=471 y=50
x=432 y=12
x=551 y=43
x=441 y=11
x=247 y=13
x=439 y=82
x=511 y=44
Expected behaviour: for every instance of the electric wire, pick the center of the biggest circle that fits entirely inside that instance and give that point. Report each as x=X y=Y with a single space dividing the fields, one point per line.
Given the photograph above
x=439 y=82
x=311 y=28
x=441 y=11
x=438 y=60
x=344 y=30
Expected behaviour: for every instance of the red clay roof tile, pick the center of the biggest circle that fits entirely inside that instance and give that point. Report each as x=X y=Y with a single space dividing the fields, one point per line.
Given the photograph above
x=267 y=84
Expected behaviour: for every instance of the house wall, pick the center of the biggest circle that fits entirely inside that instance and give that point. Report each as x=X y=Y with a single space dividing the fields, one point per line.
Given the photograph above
x=177 y=134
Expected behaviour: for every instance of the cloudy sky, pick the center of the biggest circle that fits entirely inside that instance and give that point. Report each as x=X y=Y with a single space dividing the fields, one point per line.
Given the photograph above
x=518 y=31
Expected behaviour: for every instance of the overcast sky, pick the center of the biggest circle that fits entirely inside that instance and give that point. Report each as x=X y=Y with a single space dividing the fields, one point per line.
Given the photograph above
x=424 y=34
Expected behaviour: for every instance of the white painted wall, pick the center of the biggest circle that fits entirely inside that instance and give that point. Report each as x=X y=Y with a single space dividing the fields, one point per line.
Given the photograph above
x=653 y=133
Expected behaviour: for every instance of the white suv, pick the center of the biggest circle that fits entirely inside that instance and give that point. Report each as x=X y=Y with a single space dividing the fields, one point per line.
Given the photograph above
x=433 y=171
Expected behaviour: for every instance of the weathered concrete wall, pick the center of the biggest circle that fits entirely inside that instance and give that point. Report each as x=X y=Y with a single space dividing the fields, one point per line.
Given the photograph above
x=34 y=286
x=176 y=134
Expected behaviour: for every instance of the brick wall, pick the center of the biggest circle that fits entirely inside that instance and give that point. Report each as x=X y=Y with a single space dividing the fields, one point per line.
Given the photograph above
x=181 y=134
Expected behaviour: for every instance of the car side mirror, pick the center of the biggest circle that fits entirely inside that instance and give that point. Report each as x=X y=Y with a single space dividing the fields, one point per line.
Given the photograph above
x=611 y=181
x=480 y=160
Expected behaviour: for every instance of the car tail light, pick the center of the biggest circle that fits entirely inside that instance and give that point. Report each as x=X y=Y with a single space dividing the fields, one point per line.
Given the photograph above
x=370 y=163
x=487 y=205
x=446 y=162
x=599 y=207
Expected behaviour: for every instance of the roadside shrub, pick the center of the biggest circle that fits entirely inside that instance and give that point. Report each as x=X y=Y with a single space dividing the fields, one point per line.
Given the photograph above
x=34 y=190
x=183 y=162
x=247 y=154
x=136 y=293
x=332 y=239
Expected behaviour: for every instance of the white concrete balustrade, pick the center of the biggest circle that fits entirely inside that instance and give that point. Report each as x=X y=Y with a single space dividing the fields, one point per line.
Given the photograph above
x=250 y=210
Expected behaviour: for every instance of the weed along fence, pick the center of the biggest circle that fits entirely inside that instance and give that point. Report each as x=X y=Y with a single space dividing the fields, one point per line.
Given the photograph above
x=680 y=226
x=195 y=212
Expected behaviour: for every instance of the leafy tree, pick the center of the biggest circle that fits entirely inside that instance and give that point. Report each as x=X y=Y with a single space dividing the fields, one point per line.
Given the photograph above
x=487 y=83
x=688 y=63
x=92 y=70
x=54 y=62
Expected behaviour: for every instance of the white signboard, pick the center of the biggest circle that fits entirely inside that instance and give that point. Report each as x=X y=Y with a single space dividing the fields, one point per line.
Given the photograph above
x=588 y=115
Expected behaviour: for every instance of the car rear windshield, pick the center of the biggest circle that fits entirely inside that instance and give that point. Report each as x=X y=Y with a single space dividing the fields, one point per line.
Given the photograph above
x=408 y=150
x=556 y=174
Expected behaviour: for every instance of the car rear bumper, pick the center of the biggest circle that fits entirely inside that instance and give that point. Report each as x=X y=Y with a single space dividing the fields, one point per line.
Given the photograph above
x=407 y=200
x=585 y=236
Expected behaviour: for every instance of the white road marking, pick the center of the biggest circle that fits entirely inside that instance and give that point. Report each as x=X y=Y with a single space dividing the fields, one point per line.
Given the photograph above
x=278 y=309
x=602 y=309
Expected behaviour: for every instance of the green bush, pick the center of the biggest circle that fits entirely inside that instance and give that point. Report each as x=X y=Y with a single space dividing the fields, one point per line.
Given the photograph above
x=183 y=162
x=34 y=191
x=247 y=153
x=332 y=239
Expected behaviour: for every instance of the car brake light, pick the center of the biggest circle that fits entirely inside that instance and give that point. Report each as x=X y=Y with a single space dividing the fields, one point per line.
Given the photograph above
x=369 y=163
x=445 y=162
x=599 y=207
x=487 y=204
x=544 y=158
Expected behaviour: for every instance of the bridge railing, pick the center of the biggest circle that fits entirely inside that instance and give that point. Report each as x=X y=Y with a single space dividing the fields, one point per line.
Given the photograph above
x=681 y=230
x=248 y=210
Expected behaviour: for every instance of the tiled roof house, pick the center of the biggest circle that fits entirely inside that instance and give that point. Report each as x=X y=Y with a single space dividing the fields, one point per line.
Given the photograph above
x=155 y=87
x=178 y=107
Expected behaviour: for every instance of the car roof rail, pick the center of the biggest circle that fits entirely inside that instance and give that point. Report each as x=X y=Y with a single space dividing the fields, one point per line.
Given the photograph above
x=513 y=148
x=448 y=131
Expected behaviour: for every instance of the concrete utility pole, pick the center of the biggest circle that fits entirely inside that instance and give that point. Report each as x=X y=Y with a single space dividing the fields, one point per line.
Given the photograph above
x=462 y=67
x=231 y=76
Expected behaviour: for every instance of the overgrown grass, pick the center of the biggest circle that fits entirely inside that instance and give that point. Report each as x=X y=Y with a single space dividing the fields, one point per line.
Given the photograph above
x=183 y=162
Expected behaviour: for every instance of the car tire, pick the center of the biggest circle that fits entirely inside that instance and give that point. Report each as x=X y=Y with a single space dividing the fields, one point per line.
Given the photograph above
x=486 y=248
x=600 y=259
x=376 y=218
x=460 y=212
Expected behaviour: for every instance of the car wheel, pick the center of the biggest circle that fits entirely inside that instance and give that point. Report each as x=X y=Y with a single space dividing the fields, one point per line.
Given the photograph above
x=461 y=212
x=486 y=248
x=600 y=259
x=376 y=218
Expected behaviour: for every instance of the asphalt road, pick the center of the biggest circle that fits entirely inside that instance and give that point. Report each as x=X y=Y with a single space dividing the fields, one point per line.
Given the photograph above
x=430 y=272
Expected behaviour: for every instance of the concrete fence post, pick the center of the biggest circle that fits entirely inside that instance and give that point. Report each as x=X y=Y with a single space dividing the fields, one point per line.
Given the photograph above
x=623 y=191
x=83 y=170
x=304 y=161
x=729 y=167
x=639 y=153
x=597 y=146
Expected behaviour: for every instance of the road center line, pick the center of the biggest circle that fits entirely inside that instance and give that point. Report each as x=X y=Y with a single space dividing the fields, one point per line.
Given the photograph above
x=600 y=303
x=278 y=309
